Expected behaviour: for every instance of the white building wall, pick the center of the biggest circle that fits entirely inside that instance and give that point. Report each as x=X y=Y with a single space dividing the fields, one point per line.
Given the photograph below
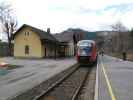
x=70 y=49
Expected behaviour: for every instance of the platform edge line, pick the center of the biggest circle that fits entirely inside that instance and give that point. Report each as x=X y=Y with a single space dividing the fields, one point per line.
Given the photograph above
x=96 y=83
x=108 y=83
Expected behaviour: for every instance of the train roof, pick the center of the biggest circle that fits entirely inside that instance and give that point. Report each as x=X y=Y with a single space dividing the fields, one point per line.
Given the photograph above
x=85 y=42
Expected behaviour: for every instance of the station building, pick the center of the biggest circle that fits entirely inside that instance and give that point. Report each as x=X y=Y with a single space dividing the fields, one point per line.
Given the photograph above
x=30 y=42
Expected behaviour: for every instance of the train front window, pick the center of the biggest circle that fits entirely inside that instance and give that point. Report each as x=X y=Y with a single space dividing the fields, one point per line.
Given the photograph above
x=84 y=50
x=84 y=43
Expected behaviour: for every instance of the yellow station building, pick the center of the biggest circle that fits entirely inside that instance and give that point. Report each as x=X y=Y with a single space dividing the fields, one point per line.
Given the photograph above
x=30 y=42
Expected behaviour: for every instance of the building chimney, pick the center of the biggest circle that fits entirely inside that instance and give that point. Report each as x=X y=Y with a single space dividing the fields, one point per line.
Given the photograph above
x=48 y=30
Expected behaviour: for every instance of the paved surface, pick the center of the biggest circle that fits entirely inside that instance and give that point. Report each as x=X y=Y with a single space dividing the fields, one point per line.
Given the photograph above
x=116 y=81
x=33 y=73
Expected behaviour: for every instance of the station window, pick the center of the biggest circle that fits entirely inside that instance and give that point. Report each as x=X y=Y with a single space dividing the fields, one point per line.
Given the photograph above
x=26 y=33
x=26 y=49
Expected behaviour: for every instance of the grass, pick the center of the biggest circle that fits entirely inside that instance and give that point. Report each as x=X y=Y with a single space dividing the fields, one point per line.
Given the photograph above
x=10 y=67
x=130 y=56
x=119 y=55
x=6 y=70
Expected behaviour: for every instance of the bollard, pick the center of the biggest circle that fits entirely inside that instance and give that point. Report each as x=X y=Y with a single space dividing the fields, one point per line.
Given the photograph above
x=124 y=55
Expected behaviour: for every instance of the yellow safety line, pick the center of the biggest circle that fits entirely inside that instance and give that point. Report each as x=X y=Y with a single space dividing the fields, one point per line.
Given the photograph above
x=108 y=83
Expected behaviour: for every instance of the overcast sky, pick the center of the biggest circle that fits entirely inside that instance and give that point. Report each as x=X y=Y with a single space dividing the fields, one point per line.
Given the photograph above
x=59 y=15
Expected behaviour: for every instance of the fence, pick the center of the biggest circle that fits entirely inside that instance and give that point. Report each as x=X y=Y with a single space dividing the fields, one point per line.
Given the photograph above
x=4 y=51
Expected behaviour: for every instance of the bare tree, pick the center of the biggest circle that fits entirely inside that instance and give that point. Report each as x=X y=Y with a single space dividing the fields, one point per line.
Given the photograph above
x=131 y=32
x=119 y=27
x=9 y=22
x=119 y=38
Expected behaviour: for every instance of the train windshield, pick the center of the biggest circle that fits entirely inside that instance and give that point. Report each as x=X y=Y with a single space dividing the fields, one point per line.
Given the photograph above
x=84 y=43
x=84 y=50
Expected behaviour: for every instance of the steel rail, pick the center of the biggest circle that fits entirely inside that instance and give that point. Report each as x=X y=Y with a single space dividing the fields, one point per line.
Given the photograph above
x=55 y=84
x=80 y=87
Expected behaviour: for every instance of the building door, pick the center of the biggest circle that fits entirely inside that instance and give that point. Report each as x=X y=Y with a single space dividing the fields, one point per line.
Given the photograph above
x=45 y=52
x=26 y=49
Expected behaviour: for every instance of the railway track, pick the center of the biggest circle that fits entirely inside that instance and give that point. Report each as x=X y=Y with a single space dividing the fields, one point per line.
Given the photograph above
x=45 y=86
x=88 y=90
x=68 y=87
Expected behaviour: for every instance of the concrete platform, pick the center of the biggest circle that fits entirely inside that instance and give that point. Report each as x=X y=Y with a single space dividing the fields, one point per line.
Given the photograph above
x=115 y=79
x=31 y=74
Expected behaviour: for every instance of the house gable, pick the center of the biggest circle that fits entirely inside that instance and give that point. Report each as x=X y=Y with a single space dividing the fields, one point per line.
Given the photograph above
x=25 y=37
x=42 y=34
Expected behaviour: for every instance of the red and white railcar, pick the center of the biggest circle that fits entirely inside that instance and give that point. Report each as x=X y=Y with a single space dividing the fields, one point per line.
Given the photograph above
x=86 y=52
